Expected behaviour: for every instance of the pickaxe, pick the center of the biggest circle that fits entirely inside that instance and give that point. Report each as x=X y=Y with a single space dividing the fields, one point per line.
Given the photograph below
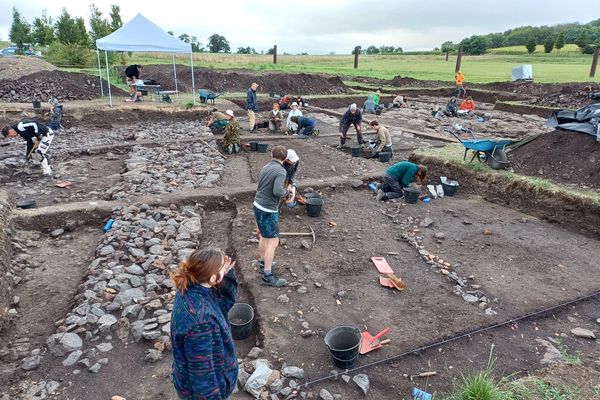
x=311 y=233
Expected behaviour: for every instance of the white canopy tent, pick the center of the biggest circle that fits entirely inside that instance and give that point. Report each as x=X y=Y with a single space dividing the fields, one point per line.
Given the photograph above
x=141 y=34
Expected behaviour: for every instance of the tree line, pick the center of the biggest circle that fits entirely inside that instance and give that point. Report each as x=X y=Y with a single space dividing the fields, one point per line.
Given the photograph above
x=585 y=36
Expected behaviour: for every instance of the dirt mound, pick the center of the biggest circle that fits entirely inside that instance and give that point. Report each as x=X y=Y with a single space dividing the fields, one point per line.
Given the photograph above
x=240 y=80
x=62 y=85
x=18 y=66
x=399 y=81
x=562 y=156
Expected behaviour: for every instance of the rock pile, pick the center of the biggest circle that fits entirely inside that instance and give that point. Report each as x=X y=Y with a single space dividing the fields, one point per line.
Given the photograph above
x=128 y=293
x=165 y=169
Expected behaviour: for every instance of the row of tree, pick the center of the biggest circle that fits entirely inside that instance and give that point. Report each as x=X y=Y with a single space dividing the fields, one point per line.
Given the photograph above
x=585 y=36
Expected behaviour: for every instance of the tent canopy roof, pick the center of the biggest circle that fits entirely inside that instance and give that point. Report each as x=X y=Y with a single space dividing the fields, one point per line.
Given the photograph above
x=141 y=34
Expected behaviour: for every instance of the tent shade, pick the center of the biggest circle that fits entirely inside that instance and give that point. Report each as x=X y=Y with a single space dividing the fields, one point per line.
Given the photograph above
x=141 y=34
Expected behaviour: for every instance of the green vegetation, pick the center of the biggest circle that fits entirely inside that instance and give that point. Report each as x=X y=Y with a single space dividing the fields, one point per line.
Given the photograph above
x=453 y=153
x=572 y=359
x=536 y=388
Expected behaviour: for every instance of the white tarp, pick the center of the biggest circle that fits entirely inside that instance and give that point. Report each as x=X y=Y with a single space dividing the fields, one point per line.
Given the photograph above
x=141 y=34
x=522 y=72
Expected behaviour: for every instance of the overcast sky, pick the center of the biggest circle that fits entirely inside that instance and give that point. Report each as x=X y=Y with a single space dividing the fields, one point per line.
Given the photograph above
x=322 y=26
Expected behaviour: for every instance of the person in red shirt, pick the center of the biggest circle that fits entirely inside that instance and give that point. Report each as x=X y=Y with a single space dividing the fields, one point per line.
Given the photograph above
x=468 y=104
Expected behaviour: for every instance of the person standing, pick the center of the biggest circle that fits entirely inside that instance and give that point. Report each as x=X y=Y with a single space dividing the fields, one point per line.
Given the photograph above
x=384 y=139
x=271 y=189
x=459 y=80
x=55 y=114
x=399 y=176
x=204 y=361
x=30 y=129
x=251 y=105
x=352 y=117
x=290 y=125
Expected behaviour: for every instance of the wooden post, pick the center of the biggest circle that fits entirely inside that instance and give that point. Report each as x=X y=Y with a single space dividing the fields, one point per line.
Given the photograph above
x=458 y=59
x=356 y=52
x=594 y=62
x=275 y=54
x=447 y=55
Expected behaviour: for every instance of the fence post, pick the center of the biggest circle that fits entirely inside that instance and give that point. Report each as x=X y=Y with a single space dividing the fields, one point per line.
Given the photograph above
x=594 y=63
x=356 y=52
x=275 y=54
x=458 y=59
x=447 y=55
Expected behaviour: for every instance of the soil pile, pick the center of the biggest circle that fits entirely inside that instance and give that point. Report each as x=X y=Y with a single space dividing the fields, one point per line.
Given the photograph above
x=562 y=156
x=45 y=84
x=400 y=81
x=18 y=66
x=240 y=80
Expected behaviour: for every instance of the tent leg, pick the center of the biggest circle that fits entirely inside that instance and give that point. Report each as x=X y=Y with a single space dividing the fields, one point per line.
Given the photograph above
x=100 y=74
x=193 y=80
x=175 y=73
x=108 y=79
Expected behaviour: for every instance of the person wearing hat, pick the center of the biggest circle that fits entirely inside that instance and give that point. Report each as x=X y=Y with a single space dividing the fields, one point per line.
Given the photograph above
x=291 y=163
x=38 y=137
x=218 y=120
x=231 y=137
x=252 y=105
x=294 y=112
x=352 y=117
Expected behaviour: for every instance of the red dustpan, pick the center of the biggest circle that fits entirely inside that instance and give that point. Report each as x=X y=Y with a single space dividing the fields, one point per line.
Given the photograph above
x=370 y=342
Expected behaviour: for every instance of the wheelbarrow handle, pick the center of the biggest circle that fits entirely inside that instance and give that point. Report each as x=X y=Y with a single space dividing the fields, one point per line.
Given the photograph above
x=382 y=333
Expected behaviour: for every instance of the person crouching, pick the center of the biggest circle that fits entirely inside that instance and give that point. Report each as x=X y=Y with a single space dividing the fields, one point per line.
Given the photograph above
x=38 y=137
x=400 y=176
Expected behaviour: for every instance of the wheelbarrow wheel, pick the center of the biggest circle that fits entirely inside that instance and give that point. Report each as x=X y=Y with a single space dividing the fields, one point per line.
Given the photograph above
x=497 y=159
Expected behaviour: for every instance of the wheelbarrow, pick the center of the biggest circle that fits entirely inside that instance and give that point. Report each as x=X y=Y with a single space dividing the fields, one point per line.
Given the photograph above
x=206 y=95
x=486 y=150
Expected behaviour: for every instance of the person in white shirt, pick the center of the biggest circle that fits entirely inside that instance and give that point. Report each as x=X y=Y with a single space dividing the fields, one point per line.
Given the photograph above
x=294 y=112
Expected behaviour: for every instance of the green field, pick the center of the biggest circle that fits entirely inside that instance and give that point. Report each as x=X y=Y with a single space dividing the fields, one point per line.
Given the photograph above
x=555 y=67
x=569 y=49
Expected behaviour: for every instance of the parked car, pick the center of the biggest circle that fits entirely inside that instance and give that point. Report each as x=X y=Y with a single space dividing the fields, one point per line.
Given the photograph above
x=12 y=51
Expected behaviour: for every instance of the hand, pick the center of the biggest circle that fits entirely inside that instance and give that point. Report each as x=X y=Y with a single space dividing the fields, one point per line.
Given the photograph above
x=228 y=265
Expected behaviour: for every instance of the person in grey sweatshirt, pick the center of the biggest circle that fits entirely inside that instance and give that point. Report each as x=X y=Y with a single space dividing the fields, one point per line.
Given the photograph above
x=271 y=188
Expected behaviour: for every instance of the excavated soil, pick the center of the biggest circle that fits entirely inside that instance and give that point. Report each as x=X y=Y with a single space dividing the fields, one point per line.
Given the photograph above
x=240 y=81
x=64 y=86
x=566 y=157
x=15 y=67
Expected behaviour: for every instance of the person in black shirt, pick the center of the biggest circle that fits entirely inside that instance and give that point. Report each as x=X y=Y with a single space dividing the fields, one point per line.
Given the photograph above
x=38 y=137
x=352 y=117
x=132 y=73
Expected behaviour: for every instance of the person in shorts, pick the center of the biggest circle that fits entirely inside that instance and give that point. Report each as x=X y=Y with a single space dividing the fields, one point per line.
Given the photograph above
x=271 y=189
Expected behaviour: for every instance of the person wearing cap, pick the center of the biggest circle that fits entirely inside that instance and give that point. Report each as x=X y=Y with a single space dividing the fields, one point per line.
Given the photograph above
x=269 y=192
x=384 y=139
x=218 y=120
x=231 y=137
x=291 y=163
x=294 y=112
x=38 y=137
x=275 y=118
x=251 y=105
x=352 y=117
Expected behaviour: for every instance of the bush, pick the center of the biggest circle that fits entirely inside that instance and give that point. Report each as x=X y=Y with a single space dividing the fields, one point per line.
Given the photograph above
x=71 y=55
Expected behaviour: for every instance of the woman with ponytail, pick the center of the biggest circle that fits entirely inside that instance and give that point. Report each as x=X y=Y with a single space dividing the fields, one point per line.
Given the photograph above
x=204 y=362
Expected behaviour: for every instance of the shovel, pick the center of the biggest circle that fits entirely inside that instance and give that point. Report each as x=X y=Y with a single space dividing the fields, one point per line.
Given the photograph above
x=370 y=342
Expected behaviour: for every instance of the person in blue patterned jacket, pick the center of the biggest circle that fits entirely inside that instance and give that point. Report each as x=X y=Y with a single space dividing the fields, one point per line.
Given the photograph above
x=204 y=361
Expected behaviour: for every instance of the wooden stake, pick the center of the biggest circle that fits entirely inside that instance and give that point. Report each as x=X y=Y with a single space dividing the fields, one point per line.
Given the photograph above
x=594 y=62
x=458 y=60
x=274 y=54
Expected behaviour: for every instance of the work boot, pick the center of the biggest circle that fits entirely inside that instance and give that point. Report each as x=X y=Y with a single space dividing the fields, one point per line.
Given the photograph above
x=261 y=266
x=380 y=195
x=272 y=280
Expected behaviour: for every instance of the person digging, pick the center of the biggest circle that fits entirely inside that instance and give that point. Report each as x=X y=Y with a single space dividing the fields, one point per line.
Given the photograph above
x=231 y=136
x=384 y=139
x=270 y=190
x=218 y=120
x=38 y=137
x=400 y=176
x=352 y=117
x=291 y=164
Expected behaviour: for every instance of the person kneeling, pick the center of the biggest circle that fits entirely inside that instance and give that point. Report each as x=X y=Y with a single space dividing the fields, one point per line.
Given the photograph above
x=306 y=126
x=231 y=137
x=384 y=140
x=399 y=176
x=275 y=118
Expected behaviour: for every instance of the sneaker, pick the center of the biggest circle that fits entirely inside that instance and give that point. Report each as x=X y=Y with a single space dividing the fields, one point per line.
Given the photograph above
x=316 y=132
x=339 y=146
x=272 y=280
x=261 y=266
x=380 y=195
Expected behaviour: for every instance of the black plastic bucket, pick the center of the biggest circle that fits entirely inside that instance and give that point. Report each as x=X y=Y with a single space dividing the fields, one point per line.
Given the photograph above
x=253 y=146
x=36 y=104
x=343 y=344
x=312 y=195
x=241 y=319
x=314 y=205
x=262 y=147
x=450 y=188
x=26 y=204
x=411 y=195
x=356 y=151
x=385 y=157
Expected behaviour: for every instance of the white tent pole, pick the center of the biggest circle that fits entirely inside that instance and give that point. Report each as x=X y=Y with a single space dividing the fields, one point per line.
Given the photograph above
x=193 y=84
x=175 y=73
x=100 y=74
x=108 y=79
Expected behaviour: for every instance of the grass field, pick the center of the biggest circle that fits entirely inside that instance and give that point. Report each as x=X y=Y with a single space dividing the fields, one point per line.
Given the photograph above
x=565 y=66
